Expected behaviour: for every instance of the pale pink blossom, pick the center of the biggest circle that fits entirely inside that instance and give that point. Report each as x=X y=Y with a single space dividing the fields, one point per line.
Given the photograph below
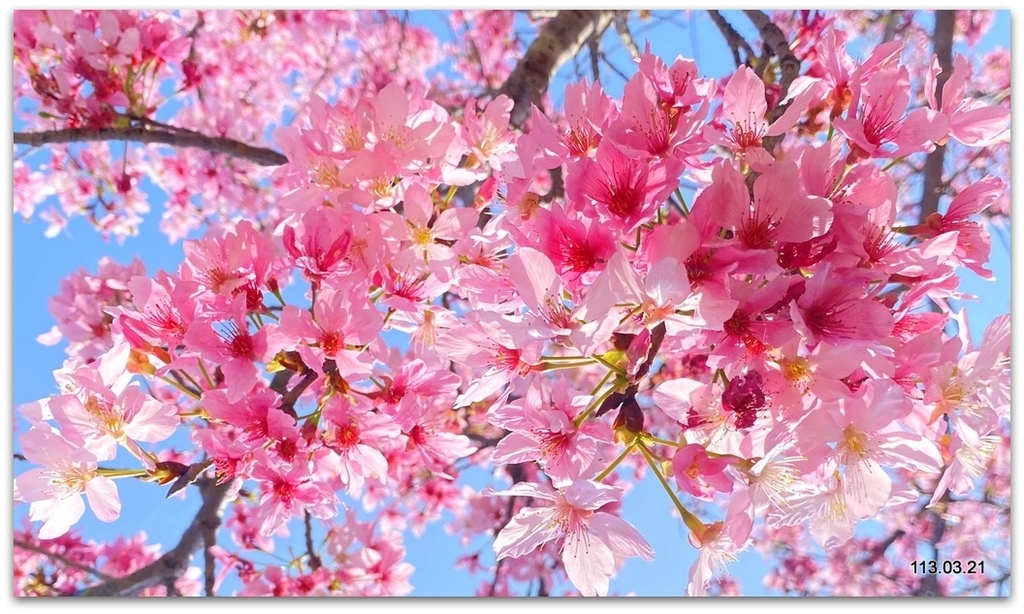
x=595 y=543
x=55 y=489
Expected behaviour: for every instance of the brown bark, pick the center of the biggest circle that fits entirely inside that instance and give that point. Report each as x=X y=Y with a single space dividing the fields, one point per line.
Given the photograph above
x=558 y=40
x=174 y=562
x=774 y=40
x=934 y=163
x=176 y=138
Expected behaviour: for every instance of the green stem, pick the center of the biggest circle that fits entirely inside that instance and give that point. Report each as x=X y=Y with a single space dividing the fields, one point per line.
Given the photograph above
x=566 y=365
x=593 y=406
x=387 y=316
x=601 y=383
x=831 y=131
x=202 y=367
x=664 y=442
x=115 y=474
x=682 y=203
x=612 y=367
x=186 y=375
x=719 y=373
x=615 y=463
x=277 y=294
x=839 y=179
x=892 y=164
x=692 y=522
x=192 y=393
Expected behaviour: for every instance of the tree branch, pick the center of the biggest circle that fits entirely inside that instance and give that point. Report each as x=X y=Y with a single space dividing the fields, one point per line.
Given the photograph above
x=774 y=42
x=789 y=66
x=558 y=40
x=622 y=29
x=732 y=37
x=594 y=48
x=933 y=164
x=892 y=19
x=178 y=138
x=314 y=560
x=173 y=563
x=60 y=558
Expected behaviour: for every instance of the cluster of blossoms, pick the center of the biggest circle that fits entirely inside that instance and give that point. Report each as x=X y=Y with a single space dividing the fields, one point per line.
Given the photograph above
x=62 y=565
x=765 y=347
x=224 y=74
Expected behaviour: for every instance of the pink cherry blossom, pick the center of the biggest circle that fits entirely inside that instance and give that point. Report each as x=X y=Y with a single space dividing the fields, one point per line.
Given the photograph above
x=55 y=489
x=971 y=122
x=698 y=474
x=875 y=123
x=287 y=491
x=595 y=542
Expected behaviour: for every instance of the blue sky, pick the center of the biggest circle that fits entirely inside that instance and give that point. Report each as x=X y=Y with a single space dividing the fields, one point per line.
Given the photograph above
x=39 y=264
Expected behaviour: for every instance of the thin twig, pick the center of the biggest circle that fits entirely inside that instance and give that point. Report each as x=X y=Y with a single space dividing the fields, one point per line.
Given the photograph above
x=60 y=558
x=621 y=20
x=288 y=399
x=314 y=560
x=942 y=38
x=594 y=49
x=733 y=38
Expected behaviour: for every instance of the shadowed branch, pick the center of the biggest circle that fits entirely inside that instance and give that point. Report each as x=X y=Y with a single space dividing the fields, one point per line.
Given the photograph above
x=177 y=138
x=174 y=562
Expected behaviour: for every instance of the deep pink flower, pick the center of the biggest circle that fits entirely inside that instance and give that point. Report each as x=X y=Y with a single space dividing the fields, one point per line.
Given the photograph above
x=231 y=345
x=341 y=322
x=578 y=246
x=320 y=250
x=626 y=190
x=227 y=264
x=354 y=443
x=287 y=491
x=833 y=309
x=875 y=124
x=778 y=214
x=973 y=243
x=258 y=416
x=164 y=309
